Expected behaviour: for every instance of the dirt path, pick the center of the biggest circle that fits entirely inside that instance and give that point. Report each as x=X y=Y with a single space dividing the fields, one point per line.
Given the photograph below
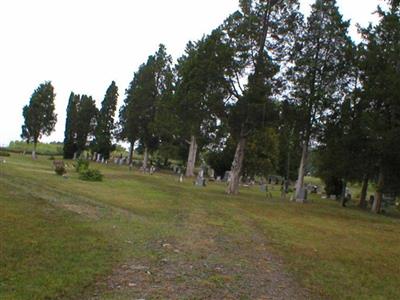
x=206 y=263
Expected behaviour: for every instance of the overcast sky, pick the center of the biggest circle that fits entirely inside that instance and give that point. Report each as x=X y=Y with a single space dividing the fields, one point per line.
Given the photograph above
x=82 y=45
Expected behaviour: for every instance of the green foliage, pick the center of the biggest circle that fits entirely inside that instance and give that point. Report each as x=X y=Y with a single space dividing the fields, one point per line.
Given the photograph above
x=86 y=123
x=260 y=35
x=90 y=175
x=71 y=123
x=202 y=86
x=105 y=123
x=81 y=165
x=380 y=69
x=39 y=116
x=4 y=153
x=151 y=85
x=333 y=185
x=261 y=153
x=86 y=173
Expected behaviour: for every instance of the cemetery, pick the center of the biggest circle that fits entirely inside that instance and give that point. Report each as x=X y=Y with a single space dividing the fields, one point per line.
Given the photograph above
x=136 y=234
x=254 y=155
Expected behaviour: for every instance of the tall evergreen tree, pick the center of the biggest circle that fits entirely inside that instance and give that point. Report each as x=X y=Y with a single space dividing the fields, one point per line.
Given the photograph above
x=70 y=146
x=39 y=116
x=105 y=122
x=201 y=91
x=381 y=83
x=86 y=122
x=320 y=76
x=260 y=34
x=151 y=84
x=128 y=129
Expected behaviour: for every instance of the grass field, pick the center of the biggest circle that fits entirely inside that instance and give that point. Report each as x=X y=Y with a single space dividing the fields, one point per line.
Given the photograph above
x=136 y=236
x=42 y=148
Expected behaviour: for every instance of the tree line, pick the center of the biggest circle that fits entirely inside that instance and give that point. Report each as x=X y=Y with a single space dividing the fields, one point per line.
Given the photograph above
x=268 y=91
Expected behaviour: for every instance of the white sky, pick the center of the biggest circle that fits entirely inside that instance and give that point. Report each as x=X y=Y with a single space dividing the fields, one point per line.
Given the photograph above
x=82 y=45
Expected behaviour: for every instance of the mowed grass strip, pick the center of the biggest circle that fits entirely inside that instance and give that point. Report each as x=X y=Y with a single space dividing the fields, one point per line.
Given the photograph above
x=45 y=252
x=336 y=253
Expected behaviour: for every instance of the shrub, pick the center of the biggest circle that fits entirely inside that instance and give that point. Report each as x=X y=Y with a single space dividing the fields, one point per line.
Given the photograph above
x=4 y=153
x=52 y=157
x=90 y=175
x=81 y=165
x=60 y=170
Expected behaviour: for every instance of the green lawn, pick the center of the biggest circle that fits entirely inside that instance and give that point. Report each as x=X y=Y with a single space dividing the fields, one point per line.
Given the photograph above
x=140 y=236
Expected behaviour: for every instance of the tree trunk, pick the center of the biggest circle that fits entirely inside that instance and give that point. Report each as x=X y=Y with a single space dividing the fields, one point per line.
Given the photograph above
x=300 y=178
x=191 y=157
x=233 y=186
x=145 y=159
x=343 y=196
x=376 y=207
x=34 y=150
x=364 y=189
x=131 y=153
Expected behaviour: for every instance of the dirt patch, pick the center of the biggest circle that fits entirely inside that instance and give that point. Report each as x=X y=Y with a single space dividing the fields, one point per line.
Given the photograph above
x=206 y=264
x=88 y=211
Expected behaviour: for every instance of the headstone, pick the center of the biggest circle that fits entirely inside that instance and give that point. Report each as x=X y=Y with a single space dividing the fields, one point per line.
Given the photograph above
x=75 y=155
x=302 y=195
x=263 y=187
x=218 y=178
x=227 y=176
x=152 y=170
x=103 y=160
x=98 y=159
x=332 y=197
x=94 y=157
x=200 y=180
x=211 y=173
x=181 y=178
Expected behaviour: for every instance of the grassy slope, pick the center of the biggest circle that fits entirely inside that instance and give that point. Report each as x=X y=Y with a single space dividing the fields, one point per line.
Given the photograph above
x=59 y=236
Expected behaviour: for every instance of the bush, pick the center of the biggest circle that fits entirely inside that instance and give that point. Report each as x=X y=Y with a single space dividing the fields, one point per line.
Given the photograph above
x=81 y=165
x=60 y=170
x=4 y=153
x=52 y=157
x=90 y=175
